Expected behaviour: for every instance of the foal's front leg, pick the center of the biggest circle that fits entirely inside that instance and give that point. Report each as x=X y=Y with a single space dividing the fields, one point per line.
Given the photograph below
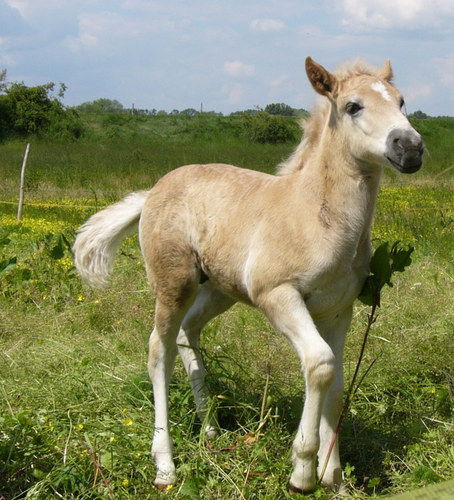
x=334 y=333
x=287 y=311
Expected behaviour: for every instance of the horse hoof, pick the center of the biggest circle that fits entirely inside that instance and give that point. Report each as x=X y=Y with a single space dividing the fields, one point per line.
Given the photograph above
x=160 y=486
x=211 y=433
x=164 y=481
x=293 y=490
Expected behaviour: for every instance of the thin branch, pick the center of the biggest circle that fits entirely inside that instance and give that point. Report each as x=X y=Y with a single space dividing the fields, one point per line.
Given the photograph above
x=352 y=388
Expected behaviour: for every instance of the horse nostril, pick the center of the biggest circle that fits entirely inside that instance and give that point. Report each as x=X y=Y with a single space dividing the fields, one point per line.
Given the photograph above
x=404 y=149
x=405 y=140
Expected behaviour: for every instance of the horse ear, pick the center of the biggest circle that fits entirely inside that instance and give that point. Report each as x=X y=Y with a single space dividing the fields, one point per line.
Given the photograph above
x=322 y=80
x=386 y=73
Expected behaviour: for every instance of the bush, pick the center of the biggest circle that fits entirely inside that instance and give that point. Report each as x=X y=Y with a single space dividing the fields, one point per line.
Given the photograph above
x=265 y=128
x=280 y=109
x=5 y=117
x=36 y=110
x=66 y=124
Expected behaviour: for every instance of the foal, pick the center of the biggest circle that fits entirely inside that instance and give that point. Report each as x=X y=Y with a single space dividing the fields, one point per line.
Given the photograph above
x=295 y=245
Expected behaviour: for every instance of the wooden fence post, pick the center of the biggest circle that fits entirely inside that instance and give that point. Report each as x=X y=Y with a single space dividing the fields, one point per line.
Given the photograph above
x=22 y=180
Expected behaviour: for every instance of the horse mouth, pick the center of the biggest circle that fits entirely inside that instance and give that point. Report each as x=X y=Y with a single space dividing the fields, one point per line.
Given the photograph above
x=406 y=165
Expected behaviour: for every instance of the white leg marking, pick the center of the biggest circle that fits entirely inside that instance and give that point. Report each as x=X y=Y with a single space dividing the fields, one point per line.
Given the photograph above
x=162 y=352
x=335 y=335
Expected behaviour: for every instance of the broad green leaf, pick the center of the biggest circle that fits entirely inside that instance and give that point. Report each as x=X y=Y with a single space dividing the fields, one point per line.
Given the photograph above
x=7 y=264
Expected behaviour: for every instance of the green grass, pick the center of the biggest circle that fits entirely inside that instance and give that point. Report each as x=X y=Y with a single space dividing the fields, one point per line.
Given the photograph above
x=143 y=148
x=76 y=409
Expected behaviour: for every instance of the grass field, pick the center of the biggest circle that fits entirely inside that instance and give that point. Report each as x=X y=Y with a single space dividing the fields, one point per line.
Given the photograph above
x=76 y=405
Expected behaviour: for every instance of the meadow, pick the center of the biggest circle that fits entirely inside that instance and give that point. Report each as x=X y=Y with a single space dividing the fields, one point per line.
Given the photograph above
x=76 y=406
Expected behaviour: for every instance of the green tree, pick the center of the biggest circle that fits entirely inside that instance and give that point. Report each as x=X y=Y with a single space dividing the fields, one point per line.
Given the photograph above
x=189 y=112
x=2 y=80
x=101 y=105
x=5 y=108
x=420 y=115
x=36 y=110
x=32 y=107
x=280 y=109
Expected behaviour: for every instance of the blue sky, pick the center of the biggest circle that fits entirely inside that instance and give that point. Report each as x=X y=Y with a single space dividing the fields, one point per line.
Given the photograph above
x=230 y=55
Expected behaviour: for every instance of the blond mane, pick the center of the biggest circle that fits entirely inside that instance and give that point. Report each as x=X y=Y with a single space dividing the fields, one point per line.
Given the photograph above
x=313 y=126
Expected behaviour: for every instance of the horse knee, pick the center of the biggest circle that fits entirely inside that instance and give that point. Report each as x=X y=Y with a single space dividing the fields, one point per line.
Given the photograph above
x=321 y=373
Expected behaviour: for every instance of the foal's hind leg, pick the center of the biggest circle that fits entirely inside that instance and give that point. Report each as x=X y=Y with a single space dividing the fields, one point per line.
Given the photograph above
x=161 y=359
x=209 y=303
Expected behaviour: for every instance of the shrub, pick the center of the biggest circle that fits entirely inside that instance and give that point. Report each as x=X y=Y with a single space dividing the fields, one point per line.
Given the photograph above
x=265 y=128
x=36 y=110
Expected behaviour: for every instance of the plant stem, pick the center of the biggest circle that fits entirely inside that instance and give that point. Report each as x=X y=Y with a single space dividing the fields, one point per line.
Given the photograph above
x=352 y=389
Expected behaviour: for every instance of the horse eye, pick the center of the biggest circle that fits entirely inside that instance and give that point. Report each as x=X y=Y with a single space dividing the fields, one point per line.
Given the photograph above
x=353 y=108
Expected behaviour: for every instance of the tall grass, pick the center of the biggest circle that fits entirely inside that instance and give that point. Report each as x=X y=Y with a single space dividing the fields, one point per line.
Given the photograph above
x=76 y=406
x=123 y=153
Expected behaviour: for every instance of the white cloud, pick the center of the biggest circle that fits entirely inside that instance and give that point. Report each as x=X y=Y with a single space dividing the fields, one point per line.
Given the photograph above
x=107 y=29
x=417 y=92
x=85 y=41
x=159 y=54
x=267 y=25
x=238 y=69
x=31 y=9
x=19 y=5
x=445 y=68
x=389 y=14
x=279 y=81
x=235 y=94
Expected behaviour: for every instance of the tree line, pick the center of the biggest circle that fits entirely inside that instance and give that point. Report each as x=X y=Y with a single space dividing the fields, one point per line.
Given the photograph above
x=113 y=106
x=39 y=110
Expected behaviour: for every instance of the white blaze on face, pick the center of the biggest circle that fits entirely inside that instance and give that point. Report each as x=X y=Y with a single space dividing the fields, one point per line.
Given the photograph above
x=381 y=89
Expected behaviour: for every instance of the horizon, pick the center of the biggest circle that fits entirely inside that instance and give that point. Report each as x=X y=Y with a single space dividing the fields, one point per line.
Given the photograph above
x=229 y=55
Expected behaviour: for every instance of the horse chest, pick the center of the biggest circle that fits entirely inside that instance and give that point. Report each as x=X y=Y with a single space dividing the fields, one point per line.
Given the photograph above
x=333 y=291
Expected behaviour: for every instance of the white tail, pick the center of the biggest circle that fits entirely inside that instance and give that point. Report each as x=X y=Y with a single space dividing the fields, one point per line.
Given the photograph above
x=98 y=239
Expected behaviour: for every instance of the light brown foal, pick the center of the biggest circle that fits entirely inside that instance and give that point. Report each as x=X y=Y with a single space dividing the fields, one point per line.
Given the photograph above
x=296 y=245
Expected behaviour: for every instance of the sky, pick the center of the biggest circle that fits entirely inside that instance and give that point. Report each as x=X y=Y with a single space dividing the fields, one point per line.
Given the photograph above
x=229 y=55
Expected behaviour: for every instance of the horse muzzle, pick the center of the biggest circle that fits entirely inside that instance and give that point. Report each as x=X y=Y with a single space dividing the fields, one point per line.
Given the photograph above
x=404 y=150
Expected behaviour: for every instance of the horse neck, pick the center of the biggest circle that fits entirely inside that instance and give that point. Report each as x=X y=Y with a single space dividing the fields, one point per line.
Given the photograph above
x=346 y=193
